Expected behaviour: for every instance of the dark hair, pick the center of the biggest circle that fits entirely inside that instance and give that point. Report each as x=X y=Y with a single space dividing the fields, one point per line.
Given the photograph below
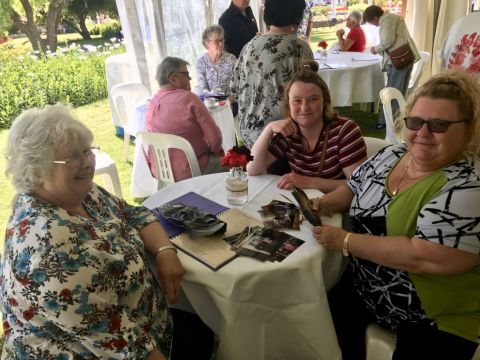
x=372 y=11
x=284 y=12
x=308 y=74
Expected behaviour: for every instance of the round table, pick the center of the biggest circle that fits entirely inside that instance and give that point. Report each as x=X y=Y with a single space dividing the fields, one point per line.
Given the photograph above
x=352 y=77
x=262 y=310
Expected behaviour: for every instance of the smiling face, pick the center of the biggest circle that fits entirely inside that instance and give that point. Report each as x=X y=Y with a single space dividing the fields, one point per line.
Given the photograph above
x=435 y=150
x=306 y=104
x=215 y=43
x=71 y=183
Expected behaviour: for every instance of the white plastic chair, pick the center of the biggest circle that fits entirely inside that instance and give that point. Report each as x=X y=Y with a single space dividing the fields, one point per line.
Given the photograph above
x=126 y=97
x=374 y=145
x=105 y=168
x=380 y=344
x=161 y=143
x=417 y=71
x=387 y=95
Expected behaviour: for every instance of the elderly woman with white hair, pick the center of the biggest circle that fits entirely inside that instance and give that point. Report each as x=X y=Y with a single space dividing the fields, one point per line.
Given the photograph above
x=214 y=68
x=75 y=277
x=355 y=40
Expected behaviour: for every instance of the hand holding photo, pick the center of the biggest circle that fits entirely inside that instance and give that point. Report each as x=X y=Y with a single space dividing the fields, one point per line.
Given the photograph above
x=305 y=206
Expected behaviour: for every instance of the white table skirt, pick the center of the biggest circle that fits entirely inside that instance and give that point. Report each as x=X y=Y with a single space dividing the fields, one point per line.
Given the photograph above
x=263 y=310
x=354 y=77
x=143 y=184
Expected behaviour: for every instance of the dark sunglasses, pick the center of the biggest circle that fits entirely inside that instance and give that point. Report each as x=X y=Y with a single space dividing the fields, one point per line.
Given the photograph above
x=434 y=125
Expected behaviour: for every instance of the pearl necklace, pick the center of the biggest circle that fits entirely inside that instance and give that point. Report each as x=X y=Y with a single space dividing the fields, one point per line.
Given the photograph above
x=394 y=192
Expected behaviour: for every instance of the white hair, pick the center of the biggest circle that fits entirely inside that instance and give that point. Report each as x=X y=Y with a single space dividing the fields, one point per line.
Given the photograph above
x=356 y=16
x=34 y=137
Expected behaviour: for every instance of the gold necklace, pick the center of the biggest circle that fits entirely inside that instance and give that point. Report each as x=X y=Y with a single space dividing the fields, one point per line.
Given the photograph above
x=394 y=192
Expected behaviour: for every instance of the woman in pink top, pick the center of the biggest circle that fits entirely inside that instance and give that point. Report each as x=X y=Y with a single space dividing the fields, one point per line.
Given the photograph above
x=176 y=110
x=355 y=40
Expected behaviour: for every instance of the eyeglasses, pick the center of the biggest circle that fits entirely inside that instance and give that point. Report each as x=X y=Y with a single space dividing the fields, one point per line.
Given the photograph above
x=434 y=125
x=75 y=161
x=186 y=73
x=217 y=41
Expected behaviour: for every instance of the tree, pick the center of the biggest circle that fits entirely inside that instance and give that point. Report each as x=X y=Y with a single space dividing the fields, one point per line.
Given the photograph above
x=5 y=21
x=76 y=13
x=24 y=15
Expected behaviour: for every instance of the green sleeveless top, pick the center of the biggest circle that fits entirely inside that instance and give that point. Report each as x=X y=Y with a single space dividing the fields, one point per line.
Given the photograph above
x=453 y=301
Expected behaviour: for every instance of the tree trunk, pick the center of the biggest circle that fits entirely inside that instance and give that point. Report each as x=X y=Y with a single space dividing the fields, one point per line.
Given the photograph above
x=84 y=31
x=29 y=28
x=53 y=18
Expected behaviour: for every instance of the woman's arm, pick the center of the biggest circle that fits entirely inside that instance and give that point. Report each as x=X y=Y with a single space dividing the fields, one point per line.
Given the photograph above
x=399 y=252
x=169 y=268
x=288 y=181
x=201 y=71
x=262 y=158
x=337 y=201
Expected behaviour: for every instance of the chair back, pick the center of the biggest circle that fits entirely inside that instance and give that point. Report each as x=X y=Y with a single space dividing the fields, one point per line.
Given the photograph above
x=374 y=145
x=417 y=71
x=126 y=97
x=387 y=95
x=160 y=144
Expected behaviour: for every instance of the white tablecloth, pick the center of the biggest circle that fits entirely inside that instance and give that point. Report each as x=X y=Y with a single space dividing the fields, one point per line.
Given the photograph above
x=263 y=310
x=143 y=184
x=353 y=77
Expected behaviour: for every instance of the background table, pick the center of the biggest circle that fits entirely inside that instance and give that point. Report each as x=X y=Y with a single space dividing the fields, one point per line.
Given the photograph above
x=143 y=184
x=263 y=310
x=354 y=77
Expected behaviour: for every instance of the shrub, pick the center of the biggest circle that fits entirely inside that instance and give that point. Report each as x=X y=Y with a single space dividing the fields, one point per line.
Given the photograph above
x=28 y=80
x=108 y=29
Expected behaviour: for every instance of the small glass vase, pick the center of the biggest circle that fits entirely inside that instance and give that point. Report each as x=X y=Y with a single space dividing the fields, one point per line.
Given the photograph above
x=323 y=55
x=236 y=186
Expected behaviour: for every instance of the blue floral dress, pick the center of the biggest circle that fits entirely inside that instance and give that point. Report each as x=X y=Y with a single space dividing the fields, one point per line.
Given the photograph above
x=73 y=287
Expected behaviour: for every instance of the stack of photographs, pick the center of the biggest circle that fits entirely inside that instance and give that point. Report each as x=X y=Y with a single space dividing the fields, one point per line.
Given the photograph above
x=263 y=243
x=280 y=214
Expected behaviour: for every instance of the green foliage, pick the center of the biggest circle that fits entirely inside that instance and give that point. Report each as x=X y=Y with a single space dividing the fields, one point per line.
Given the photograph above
x=108 y=29
x=5 y=21
x=70 y=76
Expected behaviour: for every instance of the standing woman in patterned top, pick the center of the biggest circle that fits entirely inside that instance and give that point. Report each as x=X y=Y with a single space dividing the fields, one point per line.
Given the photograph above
x=415 y=247
x=265 y=65
x=75 y=280
x=321 y=147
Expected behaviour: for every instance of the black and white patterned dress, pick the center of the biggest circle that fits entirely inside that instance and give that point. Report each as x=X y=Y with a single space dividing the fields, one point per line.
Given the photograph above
x=451 y=218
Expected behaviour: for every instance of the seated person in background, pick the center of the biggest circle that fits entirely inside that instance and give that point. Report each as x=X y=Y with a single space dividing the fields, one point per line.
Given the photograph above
x=214 y=68
x=414 y=251
x=176 y=110
x=75 y=276
x=355 y=40
x=322 y=148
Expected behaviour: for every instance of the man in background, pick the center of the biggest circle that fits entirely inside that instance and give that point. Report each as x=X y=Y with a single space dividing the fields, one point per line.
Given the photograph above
x=239 y=24
x=461 y=47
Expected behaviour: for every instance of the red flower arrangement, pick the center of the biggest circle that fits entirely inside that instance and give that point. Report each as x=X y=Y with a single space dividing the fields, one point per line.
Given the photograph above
x=238 y=156
x=323 y=44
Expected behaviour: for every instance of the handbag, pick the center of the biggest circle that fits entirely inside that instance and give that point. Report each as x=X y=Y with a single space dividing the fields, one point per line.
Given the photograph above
x=402 y=56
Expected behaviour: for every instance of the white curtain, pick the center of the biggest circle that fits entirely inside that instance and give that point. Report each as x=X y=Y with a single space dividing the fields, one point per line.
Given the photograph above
x=428 y=22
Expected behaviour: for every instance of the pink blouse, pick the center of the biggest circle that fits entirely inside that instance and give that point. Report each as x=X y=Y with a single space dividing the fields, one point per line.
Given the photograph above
x=180 y=112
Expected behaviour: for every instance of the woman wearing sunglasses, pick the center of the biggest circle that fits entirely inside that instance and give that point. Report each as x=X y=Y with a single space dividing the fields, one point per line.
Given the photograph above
x=415 y=243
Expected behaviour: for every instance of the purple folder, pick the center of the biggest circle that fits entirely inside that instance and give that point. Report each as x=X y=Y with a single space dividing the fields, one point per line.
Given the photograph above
x=189 y=199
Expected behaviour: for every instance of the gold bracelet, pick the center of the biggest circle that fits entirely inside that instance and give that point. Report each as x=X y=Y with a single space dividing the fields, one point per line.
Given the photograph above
x=345 y=244
x=163 y=248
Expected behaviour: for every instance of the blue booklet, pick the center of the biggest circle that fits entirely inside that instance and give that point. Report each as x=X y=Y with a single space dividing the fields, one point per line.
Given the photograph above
x=189 y=199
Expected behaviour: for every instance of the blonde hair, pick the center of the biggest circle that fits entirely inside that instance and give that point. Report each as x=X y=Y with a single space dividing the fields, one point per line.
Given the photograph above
x=308 y=74
x=459 y=86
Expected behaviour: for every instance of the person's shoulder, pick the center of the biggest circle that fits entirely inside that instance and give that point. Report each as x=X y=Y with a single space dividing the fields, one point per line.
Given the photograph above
x=229 y=57
x=343 y=121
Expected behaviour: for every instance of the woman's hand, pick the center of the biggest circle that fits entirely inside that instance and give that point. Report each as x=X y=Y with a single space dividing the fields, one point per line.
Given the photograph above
x=330 y=237
x=155 y=354
x=340 y=33
x=286 y=127
x=290 y=180
x=170 y=273
x=321 y=206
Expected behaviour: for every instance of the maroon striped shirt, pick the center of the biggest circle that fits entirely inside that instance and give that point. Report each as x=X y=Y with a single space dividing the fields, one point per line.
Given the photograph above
x=345 y=147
